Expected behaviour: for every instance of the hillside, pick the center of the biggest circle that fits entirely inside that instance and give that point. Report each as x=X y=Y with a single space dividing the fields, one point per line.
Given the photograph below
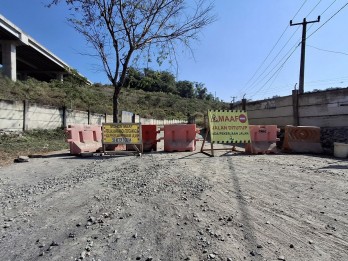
x=98 y=98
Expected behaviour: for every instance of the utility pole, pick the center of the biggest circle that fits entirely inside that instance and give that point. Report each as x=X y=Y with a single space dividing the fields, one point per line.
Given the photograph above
x=303 y=50
x=232 y=102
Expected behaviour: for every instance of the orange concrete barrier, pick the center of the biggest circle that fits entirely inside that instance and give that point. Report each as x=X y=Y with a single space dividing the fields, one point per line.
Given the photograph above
x=264 y=133
x=180 y=137
x=84 y=138
x=263 y=139
x=149 y=137
x=302 y=139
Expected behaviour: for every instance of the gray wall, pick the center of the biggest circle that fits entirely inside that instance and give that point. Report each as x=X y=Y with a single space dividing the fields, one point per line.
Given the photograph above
x=43 y=117
x=126 y=117
x=11 y=115
x=322 y=109
x=19 y=116
x=277 y=111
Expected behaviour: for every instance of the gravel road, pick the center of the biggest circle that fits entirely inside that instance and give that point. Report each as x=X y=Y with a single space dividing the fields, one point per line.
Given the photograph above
x=175 y=206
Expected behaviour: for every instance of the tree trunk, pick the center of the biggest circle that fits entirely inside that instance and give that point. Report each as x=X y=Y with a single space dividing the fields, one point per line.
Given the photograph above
x=115 y=107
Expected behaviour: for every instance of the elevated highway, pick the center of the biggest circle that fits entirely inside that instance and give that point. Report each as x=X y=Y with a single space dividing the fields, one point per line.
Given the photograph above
x=21 y=56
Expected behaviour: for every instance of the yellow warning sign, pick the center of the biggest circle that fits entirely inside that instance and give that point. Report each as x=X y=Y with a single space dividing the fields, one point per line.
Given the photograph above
x=122 y=133
x=229 y=126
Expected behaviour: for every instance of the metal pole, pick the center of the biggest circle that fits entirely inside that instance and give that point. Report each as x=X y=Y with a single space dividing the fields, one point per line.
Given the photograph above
x=303 y=50
x=303 y=57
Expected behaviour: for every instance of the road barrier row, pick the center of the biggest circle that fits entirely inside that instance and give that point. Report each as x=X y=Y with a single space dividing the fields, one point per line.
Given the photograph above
x=84 y=138
x=263 y=139
x=180 y=137
x=302 y=139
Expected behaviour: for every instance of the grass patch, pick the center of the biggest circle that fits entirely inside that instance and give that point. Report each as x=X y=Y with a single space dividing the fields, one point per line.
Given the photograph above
x=13 y=145
x=98 y=99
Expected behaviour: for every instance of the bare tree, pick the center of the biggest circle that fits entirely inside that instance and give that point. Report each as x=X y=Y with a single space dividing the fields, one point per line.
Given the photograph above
x=121 y=31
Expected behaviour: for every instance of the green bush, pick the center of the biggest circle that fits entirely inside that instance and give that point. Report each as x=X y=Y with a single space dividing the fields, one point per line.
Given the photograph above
x=98 y=98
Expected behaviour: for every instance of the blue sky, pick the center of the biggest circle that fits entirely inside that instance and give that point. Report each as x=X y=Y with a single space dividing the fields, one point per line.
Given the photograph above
x=229 y=52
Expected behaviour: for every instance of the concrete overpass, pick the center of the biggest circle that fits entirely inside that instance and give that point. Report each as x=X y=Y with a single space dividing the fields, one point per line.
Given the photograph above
x=21 y=56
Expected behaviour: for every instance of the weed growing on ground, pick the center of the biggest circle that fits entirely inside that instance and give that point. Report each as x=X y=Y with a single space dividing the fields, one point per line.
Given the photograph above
x=39 y=141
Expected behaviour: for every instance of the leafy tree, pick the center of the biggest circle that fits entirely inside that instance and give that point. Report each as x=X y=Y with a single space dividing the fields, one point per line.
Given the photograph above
x=151 y=81
x=133 y=78
x=185 y=89
x=201 y=91
x=121 y=31
x=167 y=82
x=210 y=97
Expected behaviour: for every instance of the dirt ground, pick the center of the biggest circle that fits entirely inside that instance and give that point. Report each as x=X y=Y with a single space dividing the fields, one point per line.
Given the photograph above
x=175 y=206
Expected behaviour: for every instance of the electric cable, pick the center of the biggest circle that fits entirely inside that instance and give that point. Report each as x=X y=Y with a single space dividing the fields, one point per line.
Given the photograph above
x=277 y=70
x=328 y=20
x=324 y=50
x=255 y=82
x=300 y=40
x=314 y=8
x=269 y=53
x=308 y=29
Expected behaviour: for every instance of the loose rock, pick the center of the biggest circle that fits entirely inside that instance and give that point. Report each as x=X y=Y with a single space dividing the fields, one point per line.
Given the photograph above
x=54 y=243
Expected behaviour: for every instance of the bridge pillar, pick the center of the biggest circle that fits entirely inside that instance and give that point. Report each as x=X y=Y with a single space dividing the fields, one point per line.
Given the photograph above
x=60 y=77
x=9 y=60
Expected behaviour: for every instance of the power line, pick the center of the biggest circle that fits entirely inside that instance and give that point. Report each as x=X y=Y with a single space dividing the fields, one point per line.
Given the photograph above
x=299 y=9
x=327 y=8
x=269 y=65
x=280 y=61
x=275 y=77
x=313 y=8
x=303 y=50
x=329 y=51
x=277 y=70
x=269 y=53
x=284 y=87
x=263 y=62
x=292 y=36
x=329 y=19
x=256 y=81
x=303 y=47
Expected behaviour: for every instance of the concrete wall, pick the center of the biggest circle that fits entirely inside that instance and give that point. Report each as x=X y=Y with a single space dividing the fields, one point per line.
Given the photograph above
x=11 y=115
x=18 y=116
x=76 y=117
x=322 y=109
x=136 y=118
x=126 y=117
x=278 y=111
x=96 y=118
x=43 y=117
x=109 y=118
x=160 y=122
